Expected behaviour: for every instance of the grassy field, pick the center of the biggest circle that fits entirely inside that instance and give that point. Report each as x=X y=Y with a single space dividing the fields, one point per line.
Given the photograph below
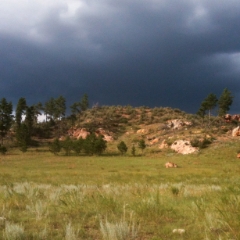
x=43 y=196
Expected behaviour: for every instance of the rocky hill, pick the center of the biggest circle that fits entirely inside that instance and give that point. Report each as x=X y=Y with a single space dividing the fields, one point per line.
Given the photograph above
x=160 y=128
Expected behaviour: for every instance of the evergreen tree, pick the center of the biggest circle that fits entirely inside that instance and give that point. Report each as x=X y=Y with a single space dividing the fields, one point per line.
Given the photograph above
x=67 y=145
x=142 y=144
x=201 y=112
x=37 y=111
x=5 y=117
x=29 y=119
x=81 y=106
x=55 y=108
x=49 y=109
x=78 y=145
x=88 y=144
x=94 y=145
x=224 y=102
x=84 y=104
x=133 y=151
x=55 y=147
x=60 y=107
x=23 y=138
x=20 y=111
x=122 y=147
x=208 y=104
x=100 y=145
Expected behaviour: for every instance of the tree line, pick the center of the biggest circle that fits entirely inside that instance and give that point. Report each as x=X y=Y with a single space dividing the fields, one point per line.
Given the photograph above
x=211 y=102
x=91 y=145
x=26 y=117
x=25 y=122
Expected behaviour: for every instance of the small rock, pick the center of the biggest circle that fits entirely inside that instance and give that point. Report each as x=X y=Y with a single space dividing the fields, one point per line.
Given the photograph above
x=180 y=231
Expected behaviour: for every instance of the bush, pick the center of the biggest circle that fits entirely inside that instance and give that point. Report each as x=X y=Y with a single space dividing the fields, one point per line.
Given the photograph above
x=3 y=149
x=55 y=146
x=78 y=145
x=67 y=145
x=94 y=145
x=201 y=143
x=122 y=147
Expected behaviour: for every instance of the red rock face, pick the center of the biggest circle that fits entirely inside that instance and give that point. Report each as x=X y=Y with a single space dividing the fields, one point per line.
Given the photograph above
x=83 y=133
x=78 y=132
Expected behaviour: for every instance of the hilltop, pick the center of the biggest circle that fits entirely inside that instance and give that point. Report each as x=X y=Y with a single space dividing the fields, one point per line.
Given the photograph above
x=158 y=127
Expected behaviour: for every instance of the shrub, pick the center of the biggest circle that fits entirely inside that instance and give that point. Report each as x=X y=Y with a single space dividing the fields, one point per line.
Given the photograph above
x=3 y=149
x=142 y=144
x=122 y=147
x=55 y=146
x=133 y=151
x=201 y=143
x=67 y=145
x=77 y=145
x=94 y=145
x=13 y=231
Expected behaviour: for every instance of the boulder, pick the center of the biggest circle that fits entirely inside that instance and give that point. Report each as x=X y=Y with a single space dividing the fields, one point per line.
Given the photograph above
x=178 y=123
x=236 y=132
x=163 y=145
x=171 y=165
x=142 y=131
x=183 y=147
x=106 y=134
x=154 y=141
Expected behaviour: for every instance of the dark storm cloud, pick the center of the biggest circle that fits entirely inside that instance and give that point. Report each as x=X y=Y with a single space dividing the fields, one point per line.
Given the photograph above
x=153 y=53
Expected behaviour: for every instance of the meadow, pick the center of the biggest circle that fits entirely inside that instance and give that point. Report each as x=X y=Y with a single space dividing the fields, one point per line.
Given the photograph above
x=112 y=197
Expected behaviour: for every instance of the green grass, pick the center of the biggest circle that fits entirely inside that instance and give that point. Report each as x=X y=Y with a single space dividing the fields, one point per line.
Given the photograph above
x=43 y=196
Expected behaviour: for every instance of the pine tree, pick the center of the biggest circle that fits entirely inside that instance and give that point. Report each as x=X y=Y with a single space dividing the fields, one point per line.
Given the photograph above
x=5 y=117
x=133 y=151
x=122 y=147
x=224 y=102
x=100 y=145
x=55 y=147
x=78 y=145
x=81 y=106
x=49 y=109
x=208 y=104
x=142 y=144
x=23 y=137
x=67 y=145
x=38 y=108
x=60 y=107
x=29 y=120
x=84 y=104
x=20 y=111
x=88 y=144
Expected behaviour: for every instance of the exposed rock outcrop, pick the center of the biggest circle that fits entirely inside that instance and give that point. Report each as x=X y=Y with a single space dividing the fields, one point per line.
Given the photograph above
x=163 y=145
x=183 y=147
x=154 y=141
x=83 y=133
x=177 y=123
x=107 y=136
x=78 y=133
x=236 y=132
x=142 y=131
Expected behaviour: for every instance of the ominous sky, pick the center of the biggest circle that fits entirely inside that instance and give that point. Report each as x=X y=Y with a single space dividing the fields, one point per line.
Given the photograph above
x=155 y=53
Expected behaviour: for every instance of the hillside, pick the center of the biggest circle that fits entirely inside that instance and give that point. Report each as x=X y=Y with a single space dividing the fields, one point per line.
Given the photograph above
x=156 y=126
